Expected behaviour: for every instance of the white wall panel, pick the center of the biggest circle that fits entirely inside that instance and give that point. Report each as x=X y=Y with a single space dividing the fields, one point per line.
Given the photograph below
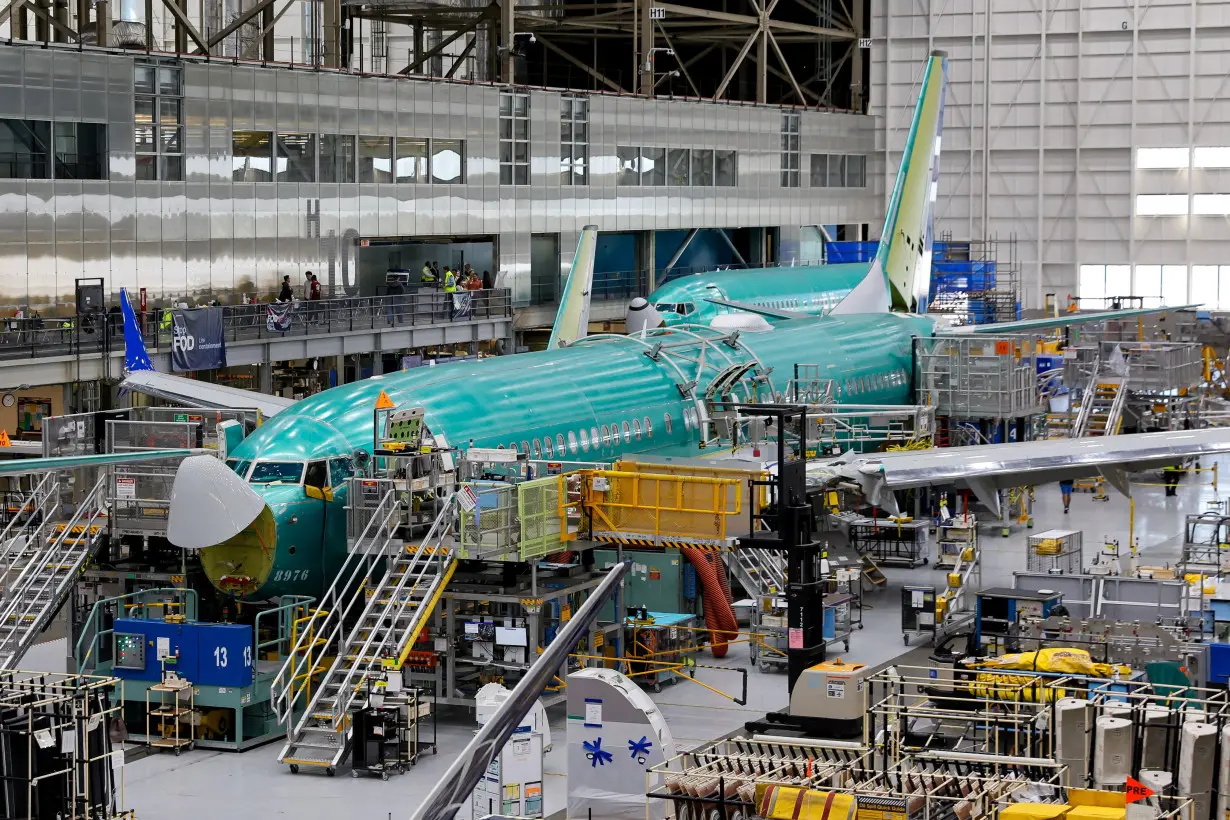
x=1044 y=151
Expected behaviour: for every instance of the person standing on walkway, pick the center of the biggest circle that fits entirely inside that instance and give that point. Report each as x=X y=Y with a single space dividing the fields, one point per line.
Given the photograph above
x=1065 y=487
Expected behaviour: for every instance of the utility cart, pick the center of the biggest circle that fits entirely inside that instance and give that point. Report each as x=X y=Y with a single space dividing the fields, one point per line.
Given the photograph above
x=917 y=611
x=838 y=615
x=770 y=647
x=891 y=542
x=168 y=706
x=659 y=638
x=1054 y=552
x=953 y=538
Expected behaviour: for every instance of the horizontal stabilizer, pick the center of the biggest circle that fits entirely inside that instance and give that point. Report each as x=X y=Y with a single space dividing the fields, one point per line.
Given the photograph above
x=770 y=313
x=46 y=465
x=194 y=393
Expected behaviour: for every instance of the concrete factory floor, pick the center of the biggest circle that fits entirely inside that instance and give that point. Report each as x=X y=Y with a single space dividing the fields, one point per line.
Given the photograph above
x=202 y=784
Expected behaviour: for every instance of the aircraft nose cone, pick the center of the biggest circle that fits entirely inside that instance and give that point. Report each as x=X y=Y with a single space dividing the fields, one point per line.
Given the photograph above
x=209 y=504
x=641 y=316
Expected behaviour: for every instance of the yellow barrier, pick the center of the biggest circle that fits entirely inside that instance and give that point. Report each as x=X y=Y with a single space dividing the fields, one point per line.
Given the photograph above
x=671 y=507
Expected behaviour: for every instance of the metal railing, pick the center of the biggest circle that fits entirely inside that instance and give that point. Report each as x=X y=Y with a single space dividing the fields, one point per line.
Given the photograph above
x=88 y=649
x=38 y=336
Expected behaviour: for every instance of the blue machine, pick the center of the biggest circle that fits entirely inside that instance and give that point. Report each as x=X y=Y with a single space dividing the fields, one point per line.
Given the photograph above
x=1219 y=648
x=999 y=609
x=204 y=654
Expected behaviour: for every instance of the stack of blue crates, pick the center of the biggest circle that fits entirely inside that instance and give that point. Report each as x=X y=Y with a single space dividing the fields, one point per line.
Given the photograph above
x=968 y=282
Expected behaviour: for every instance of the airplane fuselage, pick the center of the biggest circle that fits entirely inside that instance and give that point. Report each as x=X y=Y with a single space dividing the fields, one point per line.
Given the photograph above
x=810 y=289
x=599 y=399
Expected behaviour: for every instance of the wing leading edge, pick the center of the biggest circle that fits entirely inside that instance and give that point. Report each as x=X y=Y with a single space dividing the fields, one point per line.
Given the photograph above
x=141 y=377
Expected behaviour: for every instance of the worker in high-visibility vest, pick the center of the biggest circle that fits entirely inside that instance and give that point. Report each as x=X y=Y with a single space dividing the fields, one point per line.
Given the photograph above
x=450 y=281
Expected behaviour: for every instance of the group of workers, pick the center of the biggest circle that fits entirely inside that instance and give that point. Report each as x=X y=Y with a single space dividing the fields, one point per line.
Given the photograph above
x=454 y=280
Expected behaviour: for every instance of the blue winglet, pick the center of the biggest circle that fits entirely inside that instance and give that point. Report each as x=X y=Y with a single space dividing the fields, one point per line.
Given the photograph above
x=135 y=356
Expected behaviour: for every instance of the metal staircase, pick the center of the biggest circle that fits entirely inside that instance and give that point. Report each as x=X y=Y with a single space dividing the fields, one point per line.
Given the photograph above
x=1102 y=406
x=375 y=610
x=40 y=561
x=758 y=571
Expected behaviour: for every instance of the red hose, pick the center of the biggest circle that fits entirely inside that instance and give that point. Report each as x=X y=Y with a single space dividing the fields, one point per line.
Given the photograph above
x=719 y=614
x=720 y=569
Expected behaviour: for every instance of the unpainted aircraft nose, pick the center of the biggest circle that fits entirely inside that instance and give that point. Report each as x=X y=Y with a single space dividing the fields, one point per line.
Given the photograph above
x=210 y=504
x=641 y=316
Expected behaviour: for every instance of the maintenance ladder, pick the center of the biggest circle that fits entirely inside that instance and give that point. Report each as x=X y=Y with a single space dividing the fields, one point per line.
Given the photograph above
x=42 y=554
x=374 y=612
x=760 y=571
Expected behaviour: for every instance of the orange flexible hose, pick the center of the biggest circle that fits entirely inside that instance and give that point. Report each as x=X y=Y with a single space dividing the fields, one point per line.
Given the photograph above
x=719 y=614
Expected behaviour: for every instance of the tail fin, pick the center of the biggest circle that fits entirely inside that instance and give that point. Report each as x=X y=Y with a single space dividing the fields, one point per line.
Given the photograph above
x=572 y=320
x=900 y=275
x=135 y=356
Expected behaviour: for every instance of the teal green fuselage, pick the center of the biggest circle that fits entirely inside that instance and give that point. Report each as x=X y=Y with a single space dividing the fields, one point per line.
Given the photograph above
x=811 y=289
x=599 y=384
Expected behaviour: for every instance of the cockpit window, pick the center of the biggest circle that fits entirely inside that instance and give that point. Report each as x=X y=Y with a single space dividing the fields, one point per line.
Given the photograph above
x=686 y=308
x=240 y=466
x=665 y=307
x=277 y=472
x=317 y=475
x=340 y=469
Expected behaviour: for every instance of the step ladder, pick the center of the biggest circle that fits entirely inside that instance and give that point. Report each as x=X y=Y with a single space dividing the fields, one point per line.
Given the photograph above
x=1104 y=402
x=41 y=560
x=759 y=571
x=374 y=612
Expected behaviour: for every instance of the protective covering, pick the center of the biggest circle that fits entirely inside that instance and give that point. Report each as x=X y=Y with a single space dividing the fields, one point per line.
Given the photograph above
x=1061 y=659
x=209 y=504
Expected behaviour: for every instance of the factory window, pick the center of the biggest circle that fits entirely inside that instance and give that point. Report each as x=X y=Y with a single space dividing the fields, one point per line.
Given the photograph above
x=537 y=448
x=295 y=157
x=448 y=161
x=559 y=443
x=574 y=140
x=678 y=166
x=653 y=166
x=23 y=149
x=251 y=156
x=1210 y=286
x=375 y=159
x=1160 y=285
x=337 y=158
x=838 y=171
x=525 y=447
x=1161 y=204
x=629 y=160
x=80 y=150
x=666 y=420
x=856 y=171
x=158 y=114
x=636 y=428
x=725 y=169
x=1208 y=157
x=627 y=431
x=514 y=138
x=411 y=163
x=702 y=167
x=1163 y=157
x=1211 y=204
x=1099 y=283
x=548 y=450
x=790 y=150
x=572 y=442
x=584 y=440
x=606 y=435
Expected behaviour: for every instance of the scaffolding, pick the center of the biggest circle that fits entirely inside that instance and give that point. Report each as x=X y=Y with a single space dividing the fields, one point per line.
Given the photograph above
x=977 y=283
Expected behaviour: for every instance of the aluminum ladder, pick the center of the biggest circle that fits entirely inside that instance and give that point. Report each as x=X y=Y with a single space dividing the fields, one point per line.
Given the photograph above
x=1104 y=402
x=378 y=611
x=758 y=571
x=41 y=560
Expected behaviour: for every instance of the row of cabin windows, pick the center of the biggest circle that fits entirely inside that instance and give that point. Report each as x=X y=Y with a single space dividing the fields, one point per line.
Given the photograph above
x=594 y=438
x=823 y=301
x=883 y=380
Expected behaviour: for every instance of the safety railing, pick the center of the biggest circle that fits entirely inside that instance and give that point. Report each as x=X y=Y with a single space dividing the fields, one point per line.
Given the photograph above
x=37 y=336
x=25 y=529
x=661 y=508
x=89 y=647
x=324 y=628
x=49 y=576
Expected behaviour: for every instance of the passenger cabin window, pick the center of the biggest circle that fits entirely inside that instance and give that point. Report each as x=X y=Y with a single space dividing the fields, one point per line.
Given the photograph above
x=648 y=427
x=537 y=448
x=627 y=432
x=584 y=440
x=547 y=449
x=525 y=447
x=666 y=420
x=340 y=469
x=606 y=435
x=276 y=472
x=572 y=442
x=593 y=436
x=317 y=475
x=559 y=444
x=636 y=428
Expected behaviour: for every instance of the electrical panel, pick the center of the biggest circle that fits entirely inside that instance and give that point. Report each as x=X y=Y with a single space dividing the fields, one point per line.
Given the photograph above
x=129 y=651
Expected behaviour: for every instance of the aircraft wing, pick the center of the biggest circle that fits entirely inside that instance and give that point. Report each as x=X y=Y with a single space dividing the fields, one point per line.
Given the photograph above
x=985 y=469
x=193 y=393
x=771 y=313
x=1000 y=328
x=46 y=465
x=141 y=376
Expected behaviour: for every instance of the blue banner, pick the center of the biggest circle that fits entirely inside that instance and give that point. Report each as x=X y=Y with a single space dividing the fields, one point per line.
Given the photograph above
x=197 y=342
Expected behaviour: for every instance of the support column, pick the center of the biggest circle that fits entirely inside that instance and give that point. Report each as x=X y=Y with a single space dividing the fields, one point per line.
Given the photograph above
x=42 y=29
x=181 y=34
x=83 y=14
x=149 y=25
x=267 y=27
x=419 y=46
x=102 y=14
x=645 y=48
x=61 y=17
x=507 y=62
x=650 y=259
x=265 y=375
x=856 y=58
x=762 y=61
x=331 y=34
x=378 y=363
x=21 y=29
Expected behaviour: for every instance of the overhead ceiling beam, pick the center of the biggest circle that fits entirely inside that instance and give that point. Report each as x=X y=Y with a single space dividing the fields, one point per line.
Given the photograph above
x=822 y=31
x=43 y=15
x=181 y=19
x=454 y=37
x=593 y=72
x=786 y=67
x=235 y=25
x=683 y=68
x=730 y=74
x=461 y=58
